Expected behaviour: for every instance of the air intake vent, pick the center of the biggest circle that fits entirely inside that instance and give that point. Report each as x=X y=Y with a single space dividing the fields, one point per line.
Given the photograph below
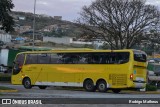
x=118 y=79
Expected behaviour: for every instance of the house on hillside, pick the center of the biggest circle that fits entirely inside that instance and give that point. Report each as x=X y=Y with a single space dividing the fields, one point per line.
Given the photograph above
x=22 y=18
x=75 y=42
x=48 y=28
x=22 y=29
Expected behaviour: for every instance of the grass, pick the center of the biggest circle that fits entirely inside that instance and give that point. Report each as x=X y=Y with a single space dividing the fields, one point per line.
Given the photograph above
x=139 y=92
x=5 y=74
x=5 y=77
x=5 y=88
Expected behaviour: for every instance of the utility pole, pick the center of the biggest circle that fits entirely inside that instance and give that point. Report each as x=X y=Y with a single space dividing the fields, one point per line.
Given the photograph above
x=34 y=20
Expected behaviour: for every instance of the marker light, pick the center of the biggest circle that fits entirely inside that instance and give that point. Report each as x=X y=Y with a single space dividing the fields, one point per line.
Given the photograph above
x=131 y=76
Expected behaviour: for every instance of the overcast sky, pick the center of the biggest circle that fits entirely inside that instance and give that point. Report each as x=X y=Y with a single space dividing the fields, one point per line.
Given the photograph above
x=68 y=9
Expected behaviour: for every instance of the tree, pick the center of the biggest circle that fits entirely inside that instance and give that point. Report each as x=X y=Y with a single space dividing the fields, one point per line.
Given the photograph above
x=120 y=23
x=5 y=19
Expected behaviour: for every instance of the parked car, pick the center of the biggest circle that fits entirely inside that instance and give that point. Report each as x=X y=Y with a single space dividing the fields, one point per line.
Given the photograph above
x=2 y=43
x=154 y=60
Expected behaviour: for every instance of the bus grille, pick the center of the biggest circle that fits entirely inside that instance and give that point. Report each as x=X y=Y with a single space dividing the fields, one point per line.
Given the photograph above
x=118 y=79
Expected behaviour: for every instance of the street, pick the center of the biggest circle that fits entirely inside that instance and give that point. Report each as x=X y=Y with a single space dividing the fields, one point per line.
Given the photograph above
x=58 y=92
x=56 y=95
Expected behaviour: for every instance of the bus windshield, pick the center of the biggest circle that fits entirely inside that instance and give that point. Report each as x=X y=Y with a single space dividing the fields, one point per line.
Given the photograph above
x=140 y=56
x=18 y=63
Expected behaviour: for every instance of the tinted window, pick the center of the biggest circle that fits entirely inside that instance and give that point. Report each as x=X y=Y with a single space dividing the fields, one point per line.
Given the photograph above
x=140 y=57
x=55 y=58
x=20 y=59
x=18 y=63
x=115 y=58
x=31 y=59
x=79 y=58
x=43 y=58
x=70 y=58
x=121 y=57
x=65 y=58
x=90 y=58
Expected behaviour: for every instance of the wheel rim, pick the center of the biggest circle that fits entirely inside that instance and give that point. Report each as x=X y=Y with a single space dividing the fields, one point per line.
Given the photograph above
x=101 y=86
x=89 y=86
x=27 y=83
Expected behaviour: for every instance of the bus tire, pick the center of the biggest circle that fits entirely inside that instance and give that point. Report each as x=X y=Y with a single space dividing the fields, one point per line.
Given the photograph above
x=102 y=86
x=27 y=83
x=42 y=87
x=89 y=85
x=116 y=90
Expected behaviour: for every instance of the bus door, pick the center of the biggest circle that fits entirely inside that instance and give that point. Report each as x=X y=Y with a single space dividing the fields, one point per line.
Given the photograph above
x=43 y=65
x=33 y=69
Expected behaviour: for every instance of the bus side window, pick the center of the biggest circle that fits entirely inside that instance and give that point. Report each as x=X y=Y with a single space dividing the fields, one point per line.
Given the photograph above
x=75 y=58
x=122 y=57
x=82 y=58
x=88 y=58
x=56 y=58
x=103 y=59
x=31 y=59
x=70 y=58
x=66 y=58
x=43 y=58
x=112 y=58
x=117 y=57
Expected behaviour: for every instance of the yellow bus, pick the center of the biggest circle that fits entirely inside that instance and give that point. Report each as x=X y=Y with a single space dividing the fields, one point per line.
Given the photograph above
x=91 y=69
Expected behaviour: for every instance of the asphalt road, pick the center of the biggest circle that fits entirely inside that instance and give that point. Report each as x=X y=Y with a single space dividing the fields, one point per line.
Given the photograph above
x=57 y=92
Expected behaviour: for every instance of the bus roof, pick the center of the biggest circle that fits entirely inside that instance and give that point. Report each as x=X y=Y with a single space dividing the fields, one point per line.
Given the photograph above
x=30 y=48
x=79 y=50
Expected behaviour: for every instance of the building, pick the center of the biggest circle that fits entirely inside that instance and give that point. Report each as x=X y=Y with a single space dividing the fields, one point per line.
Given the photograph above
x=25 y=28
x=22 y=29
x=5 y=37
x=48 y=28
x=64 y=40
x=21 y=18
x=69 y=40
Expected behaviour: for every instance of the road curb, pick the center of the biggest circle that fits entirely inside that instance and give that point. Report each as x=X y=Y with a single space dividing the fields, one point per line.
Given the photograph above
x=8 y=91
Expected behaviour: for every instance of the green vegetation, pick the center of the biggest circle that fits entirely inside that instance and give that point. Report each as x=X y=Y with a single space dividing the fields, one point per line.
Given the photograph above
x=5 y=19
x=6 y=88
x=5 y=77
x=122 y=26
x=59 y=28
x=151 y=88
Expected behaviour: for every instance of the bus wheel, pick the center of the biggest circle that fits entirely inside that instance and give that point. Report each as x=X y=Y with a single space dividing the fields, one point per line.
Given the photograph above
x=89 y=85
x=102 y=86
x=27 y=83
x=42 y=87
x=116 y=90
